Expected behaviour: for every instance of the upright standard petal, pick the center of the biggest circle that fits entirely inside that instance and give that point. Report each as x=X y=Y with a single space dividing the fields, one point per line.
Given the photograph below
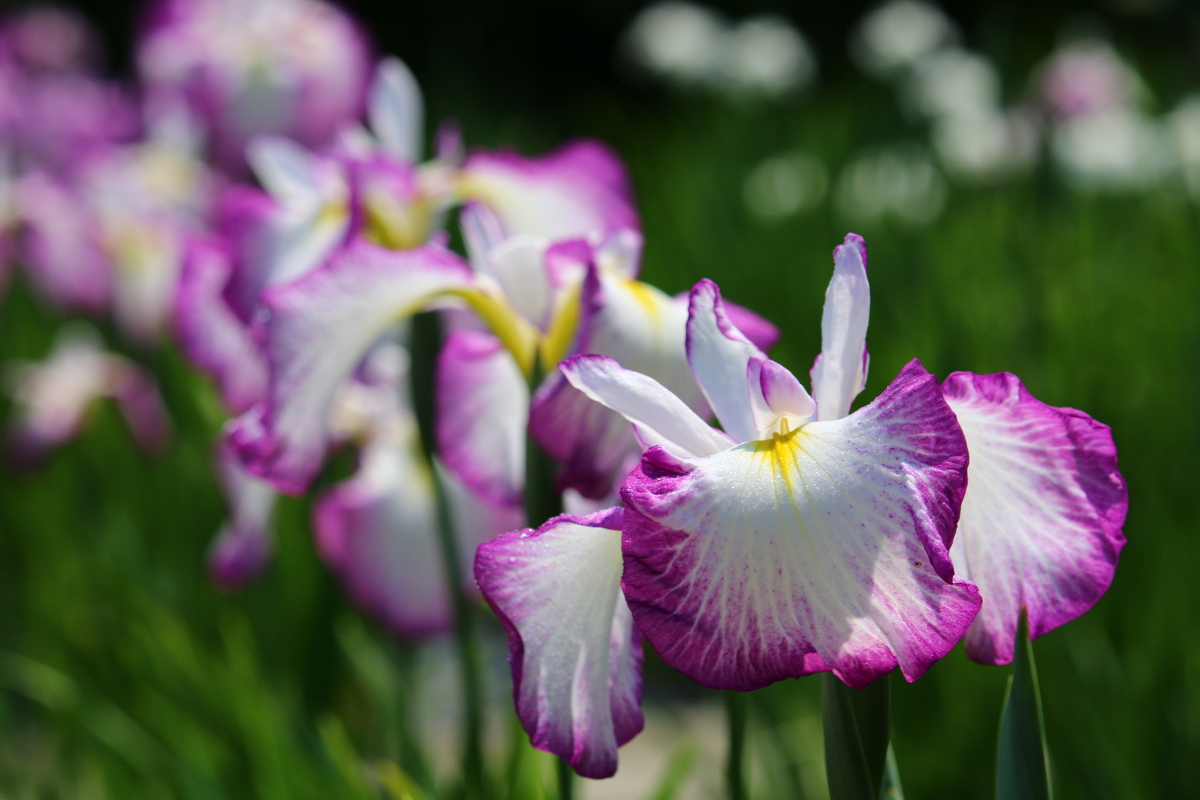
x=318 y=330
x=840 y=372
x=214 y=338
x=576 y=656
x=578 y=190
x=719 y=355
x=1041 y=522
x=659 y=417
x=482 y=412
x=820 y=548
x=643 y=330
x=396 y=110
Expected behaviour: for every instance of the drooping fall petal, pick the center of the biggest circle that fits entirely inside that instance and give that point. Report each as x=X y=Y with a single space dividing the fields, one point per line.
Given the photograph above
x=1041 y=522
x=576 y=656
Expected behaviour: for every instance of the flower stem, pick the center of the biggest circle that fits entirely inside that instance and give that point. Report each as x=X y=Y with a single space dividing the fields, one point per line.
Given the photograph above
x=426 y=342
x=543 y=501
x=566 y=780
x=857 y=726
x=1022 y=758
x=736 y=704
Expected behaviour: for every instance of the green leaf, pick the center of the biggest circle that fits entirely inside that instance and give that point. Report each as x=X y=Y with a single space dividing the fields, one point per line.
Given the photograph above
x=857 y=726
x=1022 y=759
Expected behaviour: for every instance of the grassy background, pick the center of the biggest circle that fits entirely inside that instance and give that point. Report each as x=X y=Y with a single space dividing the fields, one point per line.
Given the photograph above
x=125 y=674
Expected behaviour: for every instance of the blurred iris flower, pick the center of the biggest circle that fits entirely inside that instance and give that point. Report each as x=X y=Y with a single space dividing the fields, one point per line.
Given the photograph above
x=52 y=398
x=294 y=68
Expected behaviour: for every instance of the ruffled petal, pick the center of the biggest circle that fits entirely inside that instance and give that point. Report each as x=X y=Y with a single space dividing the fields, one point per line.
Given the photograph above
x=576 y=656
x=396 y=110
x=214 y=338
x=719 y=354
x=318 y=331
x=1041 y=522
x=580 y=189
x=840 y=372
x=659 y=417
x=824 y=548
x=482 y=411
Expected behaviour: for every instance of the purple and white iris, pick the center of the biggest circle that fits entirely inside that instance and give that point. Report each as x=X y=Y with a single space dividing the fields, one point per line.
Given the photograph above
x=801 y=537
x=295 y=68
x=52 y=398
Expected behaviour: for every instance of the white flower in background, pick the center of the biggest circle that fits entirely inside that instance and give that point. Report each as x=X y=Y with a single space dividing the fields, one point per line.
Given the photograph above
x=899 y=183
x=1087 y=76
x=691 y=46
x=987 y=144
x=953 y=81
x=784 y=185
x=765 y=55
x=1183 y=124
x=676 y=41
x=896 y=35
x=1116 y=150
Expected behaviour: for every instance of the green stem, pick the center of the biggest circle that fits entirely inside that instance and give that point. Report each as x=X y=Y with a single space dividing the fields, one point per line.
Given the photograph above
x=1022 y=758
x=857 y=726
x=426 y=342
x=736 y=704
x=566 y=780
x=543 y=501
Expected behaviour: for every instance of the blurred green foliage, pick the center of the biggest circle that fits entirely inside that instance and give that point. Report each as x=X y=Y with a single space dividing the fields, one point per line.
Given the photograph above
x=124 y=673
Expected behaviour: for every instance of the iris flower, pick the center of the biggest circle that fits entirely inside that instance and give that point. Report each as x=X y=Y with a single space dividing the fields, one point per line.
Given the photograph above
x=295 y=68
x=318 y=327
x=796 y=540
x=52 y=398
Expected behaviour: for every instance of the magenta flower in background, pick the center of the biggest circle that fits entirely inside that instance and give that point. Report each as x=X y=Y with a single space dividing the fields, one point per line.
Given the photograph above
x=321 y=325
x=1040 y=530
x=378 y=530
x=295 y=68
x=53 y=397
x=55 y=112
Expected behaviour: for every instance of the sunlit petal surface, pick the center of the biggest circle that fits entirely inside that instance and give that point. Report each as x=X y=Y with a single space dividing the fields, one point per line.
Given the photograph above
x=840 y=371
x=821 y=548
x=576 y=656
x=719 y=354
x=1041 y=521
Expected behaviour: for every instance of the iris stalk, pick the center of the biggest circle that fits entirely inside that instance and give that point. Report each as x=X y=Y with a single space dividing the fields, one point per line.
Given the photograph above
x=857 y=725
x=426 y=340
x=543 y=501
x=736 y=704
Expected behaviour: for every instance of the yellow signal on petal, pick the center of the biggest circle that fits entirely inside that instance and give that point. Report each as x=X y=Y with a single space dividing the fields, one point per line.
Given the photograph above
x=564 y=322
x=517 y=334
